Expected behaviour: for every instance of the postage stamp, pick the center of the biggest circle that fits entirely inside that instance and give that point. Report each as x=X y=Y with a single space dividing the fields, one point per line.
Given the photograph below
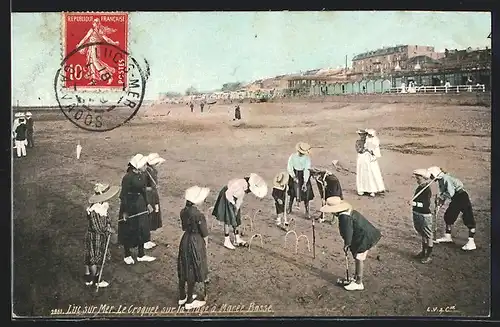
x=93 y=67
x=102 y=111
x=98 y=85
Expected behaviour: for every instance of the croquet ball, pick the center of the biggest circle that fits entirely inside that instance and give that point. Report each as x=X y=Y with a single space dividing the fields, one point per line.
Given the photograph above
x=323 y=252
x=378 y=257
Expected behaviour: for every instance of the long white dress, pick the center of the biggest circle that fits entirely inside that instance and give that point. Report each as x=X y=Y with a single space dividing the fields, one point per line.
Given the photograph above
x=368 y=176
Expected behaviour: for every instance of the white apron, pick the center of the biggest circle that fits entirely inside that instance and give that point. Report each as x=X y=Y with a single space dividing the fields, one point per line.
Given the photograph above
x=368 y=176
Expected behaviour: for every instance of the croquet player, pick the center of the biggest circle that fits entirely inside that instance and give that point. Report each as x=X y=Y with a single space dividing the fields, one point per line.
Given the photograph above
x=280 y=184
x=229 y=201
x=422 y=217
x=133 y=227
x=21 y=136
x=155 y=221
x=358 y=233
x=328 y=185
x=98 y=231
x=299 y=185
x=452 y=188
x=192 y=266
x=30 y=129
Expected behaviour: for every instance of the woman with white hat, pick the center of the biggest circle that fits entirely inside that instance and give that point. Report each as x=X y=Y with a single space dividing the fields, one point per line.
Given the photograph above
x=155 y=221
x=368 y=176
x=229 y=201
x=300 y=187
x=451 y=188
x=134 y=231
x=192 y=266
x=280 y=185
x=358 y=233
x=98 y=232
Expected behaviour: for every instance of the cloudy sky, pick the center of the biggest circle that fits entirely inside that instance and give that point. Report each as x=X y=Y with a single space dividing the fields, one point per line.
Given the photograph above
x=206 y=50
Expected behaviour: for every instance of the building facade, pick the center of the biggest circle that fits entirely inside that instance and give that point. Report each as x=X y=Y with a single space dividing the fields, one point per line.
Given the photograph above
x=392 y=58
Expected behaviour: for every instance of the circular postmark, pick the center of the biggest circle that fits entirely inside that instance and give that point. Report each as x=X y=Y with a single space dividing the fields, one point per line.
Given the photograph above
x=99 y=86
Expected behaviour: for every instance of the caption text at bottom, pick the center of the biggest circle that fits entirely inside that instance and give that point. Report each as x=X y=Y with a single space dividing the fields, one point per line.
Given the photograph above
x=138 y=310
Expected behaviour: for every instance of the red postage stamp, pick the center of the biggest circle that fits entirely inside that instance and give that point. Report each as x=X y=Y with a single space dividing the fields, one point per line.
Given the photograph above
x=93 y=67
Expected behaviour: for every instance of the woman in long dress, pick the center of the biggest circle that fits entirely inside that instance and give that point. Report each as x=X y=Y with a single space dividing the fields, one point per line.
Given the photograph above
x=228 y=204
x=155 y=221
x=192 y=264
x=133 y=227
x=98 y=232
x=368 y=176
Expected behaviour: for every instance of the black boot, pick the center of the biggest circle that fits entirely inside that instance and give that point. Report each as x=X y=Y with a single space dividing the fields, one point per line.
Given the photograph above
x=427 y=258
x=422 y=253
x=306 y=206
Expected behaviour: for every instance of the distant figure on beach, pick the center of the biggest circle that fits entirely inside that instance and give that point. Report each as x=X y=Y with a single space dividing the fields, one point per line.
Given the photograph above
x=237 y=113
x=201 y=106
x=191 y=105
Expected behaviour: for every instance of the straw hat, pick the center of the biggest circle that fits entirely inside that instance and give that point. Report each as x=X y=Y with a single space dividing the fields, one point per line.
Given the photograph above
x=435 y=172
x=361 y=131
x=335 y=205
x=303 y=147
x=258 y=185
x=21 y=114
x=103 y=192
x=196 y=194
x=17 y=115
x=138 y=161
x=281 y=180
x=422 y=172
x=155 y=159
x=371 y=132
x=28 y=114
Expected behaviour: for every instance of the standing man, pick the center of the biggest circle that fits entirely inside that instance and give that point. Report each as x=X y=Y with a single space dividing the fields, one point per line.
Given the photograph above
x=300 y=187
x=202 y=105
x=29 y=125
x=20 y=137
x=453 y=189
x=191 y=105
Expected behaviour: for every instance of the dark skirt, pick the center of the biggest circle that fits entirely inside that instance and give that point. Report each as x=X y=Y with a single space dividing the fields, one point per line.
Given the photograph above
x=225 y=212
x=279 y=200
x=192 y=264
x=155 y=220
x=95 y=245
x=134 y=231
x=308 y=195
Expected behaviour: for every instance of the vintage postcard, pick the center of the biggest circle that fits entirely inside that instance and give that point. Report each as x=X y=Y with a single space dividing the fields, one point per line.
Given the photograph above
x=215 y=164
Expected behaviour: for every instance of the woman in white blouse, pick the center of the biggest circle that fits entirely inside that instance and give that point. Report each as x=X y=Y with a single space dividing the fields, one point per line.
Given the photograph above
x=299 y=185
x=228 y=205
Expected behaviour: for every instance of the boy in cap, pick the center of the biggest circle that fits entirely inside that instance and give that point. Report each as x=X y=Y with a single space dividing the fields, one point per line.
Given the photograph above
x=422 y=217
x=452 y=188
x=20 y=137
x=280 y=189
x=358 y=233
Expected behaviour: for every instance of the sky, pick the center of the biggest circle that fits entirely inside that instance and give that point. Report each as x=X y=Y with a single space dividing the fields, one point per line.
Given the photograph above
x=208 y=49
